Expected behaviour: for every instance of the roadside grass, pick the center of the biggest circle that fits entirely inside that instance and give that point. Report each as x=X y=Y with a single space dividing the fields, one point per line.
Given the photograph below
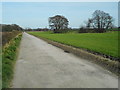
x=103 y=43
x=9 y=53
x=0 y=69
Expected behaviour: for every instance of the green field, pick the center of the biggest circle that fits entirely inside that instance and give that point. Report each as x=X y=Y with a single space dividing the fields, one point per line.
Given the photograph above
x=104 y=43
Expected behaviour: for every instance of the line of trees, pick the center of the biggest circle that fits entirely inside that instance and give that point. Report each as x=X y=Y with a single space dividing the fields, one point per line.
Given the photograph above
x=10 y=28
x=37 y=29
x=100 y=22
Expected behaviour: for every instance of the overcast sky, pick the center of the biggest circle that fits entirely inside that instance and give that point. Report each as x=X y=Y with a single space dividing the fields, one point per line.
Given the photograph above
x=36 y=14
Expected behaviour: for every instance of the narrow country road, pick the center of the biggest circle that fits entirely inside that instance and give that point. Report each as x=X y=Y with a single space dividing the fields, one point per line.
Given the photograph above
x=42 y=65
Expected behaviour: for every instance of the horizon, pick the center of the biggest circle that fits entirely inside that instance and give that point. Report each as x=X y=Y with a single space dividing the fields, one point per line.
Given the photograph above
x=35 y=15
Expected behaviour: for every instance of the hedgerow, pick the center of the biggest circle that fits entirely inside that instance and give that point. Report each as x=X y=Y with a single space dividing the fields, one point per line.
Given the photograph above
x=9 y=55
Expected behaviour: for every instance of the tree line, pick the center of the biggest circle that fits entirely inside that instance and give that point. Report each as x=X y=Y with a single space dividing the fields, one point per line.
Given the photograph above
x=10 y=28
x=100 y=22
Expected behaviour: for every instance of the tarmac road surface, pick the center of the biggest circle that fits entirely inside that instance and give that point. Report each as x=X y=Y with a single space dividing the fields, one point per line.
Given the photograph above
x=42 y=65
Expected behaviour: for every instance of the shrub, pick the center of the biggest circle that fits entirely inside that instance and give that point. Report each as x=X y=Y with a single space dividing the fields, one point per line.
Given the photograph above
x=87 y=30
x=61 y=31
x=82 y=30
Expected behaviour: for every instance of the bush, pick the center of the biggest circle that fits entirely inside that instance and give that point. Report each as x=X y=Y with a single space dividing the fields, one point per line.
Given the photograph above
x=61 y=31
x=100 y=30
x=87 y=30
x=82 y=30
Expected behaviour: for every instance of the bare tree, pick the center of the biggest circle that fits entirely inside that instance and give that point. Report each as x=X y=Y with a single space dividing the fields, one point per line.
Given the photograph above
x=100 y=21
x=58 y=23
x=89 y=23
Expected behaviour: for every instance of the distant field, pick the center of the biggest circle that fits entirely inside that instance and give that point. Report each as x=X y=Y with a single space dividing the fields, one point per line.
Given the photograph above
x=105 y=43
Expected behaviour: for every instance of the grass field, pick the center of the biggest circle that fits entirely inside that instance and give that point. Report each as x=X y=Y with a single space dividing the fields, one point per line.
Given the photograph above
x=104 y=43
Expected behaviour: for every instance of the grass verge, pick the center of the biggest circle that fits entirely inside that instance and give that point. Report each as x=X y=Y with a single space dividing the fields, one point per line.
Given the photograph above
x=0 y=70
x=8 y=60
